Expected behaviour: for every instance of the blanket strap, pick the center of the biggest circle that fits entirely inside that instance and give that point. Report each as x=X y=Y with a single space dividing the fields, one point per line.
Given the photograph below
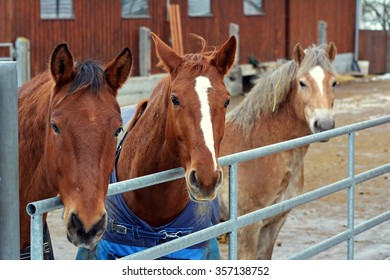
x=140 y=232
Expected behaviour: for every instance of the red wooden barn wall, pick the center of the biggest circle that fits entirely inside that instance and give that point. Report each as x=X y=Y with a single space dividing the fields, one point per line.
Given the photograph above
x=98 y=31
x=373 y=47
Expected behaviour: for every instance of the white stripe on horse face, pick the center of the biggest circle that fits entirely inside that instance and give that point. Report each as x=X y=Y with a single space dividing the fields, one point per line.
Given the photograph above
x=318 y=75
x=201 y=86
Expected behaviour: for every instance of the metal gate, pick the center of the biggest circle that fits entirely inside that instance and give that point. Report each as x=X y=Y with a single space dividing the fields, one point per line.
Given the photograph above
x=235 y=222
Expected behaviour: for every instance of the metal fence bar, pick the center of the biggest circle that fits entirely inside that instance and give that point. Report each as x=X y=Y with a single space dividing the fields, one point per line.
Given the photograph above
x=9 y=167
x=343 y=236
x=10 y=46
x=247 y=219
x=233 y=210
x=351 y=194
x=229 y=226
x=302 y=141
x=36 y=249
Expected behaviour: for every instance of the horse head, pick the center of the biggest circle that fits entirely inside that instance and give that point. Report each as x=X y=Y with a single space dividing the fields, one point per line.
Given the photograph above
x=83 y=123
x=197 y=102
x=315 y=85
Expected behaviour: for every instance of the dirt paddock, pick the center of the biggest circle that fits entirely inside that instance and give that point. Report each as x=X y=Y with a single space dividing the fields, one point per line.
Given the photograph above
x=325 y=163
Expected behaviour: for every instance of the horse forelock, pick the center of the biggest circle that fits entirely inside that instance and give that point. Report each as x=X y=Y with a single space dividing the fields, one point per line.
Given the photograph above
x=88 y=75
x=196 y=63
x=315 y=56
x=272 y=88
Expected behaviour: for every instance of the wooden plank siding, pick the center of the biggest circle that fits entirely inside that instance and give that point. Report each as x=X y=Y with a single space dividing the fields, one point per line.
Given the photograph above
x=303 y=18
x=373 y=47
x=99 y=32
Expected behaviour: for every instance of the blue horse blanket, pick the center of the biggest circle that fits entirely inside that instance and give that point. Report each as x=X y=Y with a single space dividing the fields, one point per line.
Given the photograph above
x=127 y=234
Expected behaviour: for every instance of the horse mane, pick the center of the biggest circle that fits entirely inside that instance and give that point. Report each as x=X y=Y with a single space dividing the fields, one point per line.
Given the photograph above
x=88 y=75
x=272 y=88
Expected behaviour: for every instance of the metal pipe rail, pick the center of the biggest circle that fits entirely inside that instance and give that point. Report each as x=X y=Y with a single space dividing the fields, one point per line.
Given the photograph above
x=38 y=208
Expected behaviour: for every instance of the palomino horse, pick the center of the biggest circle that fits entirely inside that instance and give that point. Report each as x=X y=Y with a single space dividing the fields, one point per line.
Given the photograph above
x=69 y=120
x=293 y=101
x=182 y=124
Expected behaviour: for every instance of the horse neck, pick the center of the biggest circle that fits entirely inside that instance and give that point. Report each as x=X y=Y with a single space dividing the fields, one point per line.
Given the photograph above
x=145 y=151
x=33 y=118
x=285 y=123
x=33 y=124
x=269 y=127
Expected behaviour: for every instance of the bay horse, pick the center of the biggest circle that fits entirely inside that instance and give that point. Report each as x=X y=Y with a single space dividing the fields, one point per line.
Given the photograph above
x=180 y=125
x=293 y=101
x=69 y=120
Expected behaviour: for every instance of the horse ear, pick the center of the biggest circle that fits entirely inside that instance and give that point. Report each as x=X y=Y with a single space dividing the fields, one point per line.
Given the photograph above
x=61 y=64
x=169 y=59
x=138 y=112
x=224 y=58
x=118 y=70
x=299 y=53
x=331 y=50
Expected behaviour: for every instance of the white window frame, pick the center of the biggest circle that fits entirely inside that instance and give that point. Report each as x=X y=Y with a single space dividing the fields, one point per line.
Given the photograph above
x=56 y=9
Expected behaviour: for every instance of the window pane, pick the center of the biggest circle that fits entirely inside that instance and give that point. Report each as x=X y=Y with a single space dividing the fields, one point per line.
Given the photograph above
x=48 y=8
x=253 y=7
x=65 y=9
x=52 y=9
x=135 y=8
x=199 y=8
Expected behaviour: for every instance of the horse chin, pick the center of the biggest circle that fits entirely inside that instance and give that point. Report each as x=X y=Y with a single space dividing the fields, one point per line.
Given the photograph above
x=197 y=197
x=79 y=242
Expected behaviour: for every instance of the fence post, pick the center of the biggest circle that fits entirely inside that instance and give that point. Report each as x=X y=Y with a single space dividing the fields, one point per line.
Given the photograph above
x=233 y=79
x=144 y=51
x=9 y=175
x=234 y=29
x=23 y=60
x=322 y=29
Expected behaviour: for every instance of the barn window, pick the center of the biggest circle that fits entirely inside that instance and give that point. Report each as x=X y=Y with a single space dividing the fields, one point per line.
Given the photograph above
x=253 y=7
x=57 y=9
x=199 y=8
x=135 y=8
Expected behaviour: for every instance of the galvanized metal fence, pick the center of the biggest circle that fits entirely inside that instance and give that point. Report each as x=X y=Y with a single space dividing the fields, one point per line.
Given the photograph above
x=235 y=222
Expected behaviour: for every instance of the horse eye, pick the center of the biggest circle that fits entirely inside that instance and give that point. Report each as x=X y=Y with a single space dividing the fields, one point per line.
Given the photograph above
x=118 y=131
x=55 y=128
x=227 y=103
x=175 y=100
x=334 y=84
x=302 y=84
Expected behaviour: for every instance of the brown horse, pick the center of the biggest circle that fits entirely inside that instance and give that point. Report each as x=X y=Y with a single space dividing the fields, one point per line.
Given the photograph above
x=181 y=125
x=293 y=101
x=69 y=120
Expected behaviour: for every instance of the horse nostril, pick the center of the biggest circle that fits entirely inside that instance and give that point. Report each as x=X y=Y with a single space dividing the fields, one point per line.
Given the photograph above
x=76 y=223
x=316 y=126
x=220 y=178
x=101 y=224
x=193 y=179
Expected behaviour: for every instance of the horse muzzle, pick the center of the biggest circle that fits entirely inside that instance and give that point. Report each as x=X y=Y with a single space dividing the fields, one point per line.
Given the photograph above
x=203 y=188
x=79 y=236
x=322 y=121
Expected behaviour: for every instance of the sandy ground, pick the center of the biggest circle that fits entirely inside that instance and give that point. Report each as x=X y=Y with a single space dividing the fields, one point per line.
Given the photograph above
x=309 y=224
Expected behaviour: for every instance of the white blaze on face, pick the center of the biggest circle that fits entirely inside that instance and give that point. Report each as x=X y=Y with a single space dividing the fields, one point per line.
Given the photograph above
x=318 y=75
x=201 y=86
